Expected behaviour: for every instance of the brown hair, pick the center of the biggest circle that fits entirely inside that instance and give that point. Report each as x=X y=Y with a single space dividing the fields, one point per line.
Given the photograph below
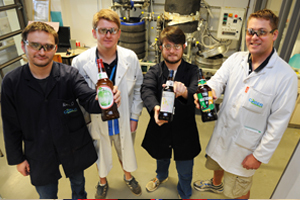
x=173 y=34
x=107 y=14
x=267 y=15
x=39 y=26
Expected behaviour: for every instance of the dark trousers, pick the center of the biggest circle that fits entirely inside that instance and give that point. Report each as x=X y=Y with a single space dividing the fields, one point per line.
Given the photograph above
x=77 y=181
x=185 y=175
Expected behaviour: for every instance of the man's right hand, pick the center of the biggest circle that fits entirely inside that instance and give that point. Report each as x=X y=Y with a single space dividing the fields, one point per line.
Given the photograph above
x=24 y=168
x=156 y=113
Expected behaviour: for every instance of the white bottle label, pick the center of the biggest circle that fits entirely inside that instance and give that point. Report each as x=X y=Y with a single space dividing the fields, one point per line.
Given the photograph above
x=169 y=83
x=105 y=97
x=102 y=75
x=167 y=102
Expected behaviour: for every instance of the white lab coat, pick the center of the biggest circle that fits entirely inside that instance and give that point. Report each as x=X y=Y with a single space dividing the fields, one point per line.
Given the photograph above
x=254 y=113
x=128 y=78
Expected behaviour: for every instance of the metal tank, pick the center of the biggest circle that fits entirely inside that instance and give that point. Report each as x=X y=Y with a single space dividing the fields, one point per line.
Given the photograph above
x=133 y=36
x=184 y=14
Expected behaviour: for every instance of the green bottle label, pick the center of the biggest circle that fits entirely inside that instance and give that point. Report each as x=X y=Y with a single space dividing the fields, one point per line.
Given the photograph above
x=206 y=103
x=105 y=97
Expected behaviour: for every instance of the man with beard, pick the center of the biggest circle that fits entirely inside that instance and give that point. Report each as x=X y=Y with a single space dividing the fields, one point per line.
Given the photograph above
x=181 y=134
x=39 y=109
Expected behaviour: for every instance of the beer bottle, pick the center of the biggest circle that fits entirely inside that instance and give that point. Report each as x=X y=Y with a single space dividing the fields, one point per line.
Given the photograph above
x=105 y=94
x=207 y=106
x=167 y=100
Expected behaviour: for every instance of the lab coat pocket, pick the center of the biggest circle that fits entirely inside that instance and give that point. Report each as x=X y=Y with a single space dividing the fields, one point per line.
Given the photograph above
x=256 y=101
x=248 y=138
x=130 y=84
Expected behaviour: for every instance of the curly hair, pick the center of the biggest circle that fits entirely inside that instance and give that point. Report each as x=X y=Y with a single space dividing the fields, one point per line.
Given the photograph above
x=173 y=34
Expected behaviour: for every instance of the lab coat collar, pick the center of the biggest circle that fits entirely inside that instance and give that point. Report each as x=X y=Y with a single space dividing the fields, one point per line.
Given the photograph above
x=269 y=66
x=123 y=65
x=90 y=66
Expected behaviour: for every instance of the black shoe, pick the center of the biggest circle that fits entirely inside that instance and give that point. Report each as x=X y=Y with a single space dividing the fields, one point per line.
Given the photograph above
x=134 y=186
x=101 y=191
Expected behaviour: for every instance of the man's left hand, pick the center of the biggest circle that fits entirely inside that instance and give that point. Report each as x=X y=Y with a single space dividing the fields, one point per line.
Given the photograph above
x=250 y=162
x=133 y=125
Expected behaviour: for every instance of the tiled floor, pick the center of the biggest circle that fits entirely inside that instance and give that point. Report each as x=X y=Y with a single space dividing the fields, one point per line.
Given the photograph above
x=14 y=186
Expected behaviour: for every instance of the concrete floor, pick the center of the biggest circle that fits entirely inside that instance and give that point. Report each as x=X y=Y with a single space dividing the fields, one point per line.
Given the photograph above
x=14 y=186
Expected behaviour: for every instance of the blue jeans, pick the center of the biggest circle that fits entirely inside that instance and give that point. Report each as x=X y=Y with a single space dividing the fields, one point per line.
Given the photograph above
x=185 y=175
x=77 y=181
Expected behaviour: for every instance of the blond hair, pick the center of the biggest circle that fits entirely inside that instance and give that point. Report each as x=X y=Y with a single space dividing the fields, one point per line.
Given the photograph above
x=106 y=14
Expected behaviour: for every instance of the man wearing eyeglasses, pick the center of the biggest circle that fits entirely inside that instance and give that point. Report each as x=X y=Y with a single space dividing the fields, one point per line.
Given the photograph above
x=179 y=136
x=259 y=98
x=123 y=69
x=39 y=109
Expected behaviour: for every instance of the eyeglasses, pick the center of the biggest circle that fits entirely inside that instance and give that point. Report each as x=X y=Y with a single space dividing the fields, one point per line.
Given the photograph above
x=260 y=32
x=175 y=46
x=104 y=31
x=37 y=46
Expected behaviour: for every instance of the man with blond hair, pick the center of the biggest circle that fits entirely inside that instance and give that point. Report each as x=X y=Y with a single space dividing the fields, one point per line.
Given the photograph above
x=123 y=69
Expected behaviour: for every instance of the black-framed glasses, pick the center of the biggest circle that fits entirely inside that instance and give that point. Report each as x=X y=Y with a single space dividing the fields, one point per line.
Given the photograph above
x=175 y=46
x=259 y=32
x=37 y=46
x=104 y=31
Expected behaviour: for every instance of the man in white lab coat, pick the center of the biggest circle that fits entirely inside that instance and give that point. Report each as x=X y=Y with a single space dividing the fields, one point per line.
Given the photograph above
x=123 y=68
x=260 y=91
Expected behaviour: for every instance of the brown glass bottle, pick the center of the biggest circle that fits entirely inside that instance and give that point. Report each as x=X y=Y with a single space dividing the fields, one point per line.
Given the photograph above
x=167 y=100
x=207 y=106
x=105 y=95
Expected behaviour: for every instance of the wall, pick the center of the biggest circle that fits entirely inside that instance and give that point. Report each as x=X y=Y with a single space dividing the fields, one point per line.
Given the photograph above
x=78 y=14
x=289 y=184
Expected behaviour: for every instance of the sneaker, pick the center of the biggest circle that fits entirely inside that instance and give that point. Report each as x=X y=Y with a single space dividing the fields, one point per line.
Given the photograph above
x=154 y=183
x=208 y=185
x=134 y=186
x=101 y=191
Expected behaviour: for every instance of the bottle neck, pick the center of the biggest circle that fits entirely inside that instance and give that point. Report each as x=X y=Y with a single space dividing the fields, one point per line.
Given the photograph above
x=201 y=81
x=101 y=70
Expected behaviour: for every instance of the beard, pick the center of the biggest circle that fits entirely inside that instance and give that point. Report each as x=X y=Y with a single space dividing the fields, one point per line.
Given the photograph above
x=172 y=62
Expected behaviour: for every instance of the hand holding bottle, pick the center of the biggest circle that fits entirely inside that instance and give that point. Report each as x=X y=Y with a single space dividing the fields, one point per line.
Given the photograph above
x=206 y=99
x=117 y=96
x=156 y=113
x=196 y=100
x=179 y=89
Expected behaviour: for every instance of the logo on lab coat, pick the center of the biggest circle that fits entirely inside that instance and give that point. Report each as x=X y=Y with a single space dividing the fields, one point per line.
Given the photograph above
x=256 y=103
